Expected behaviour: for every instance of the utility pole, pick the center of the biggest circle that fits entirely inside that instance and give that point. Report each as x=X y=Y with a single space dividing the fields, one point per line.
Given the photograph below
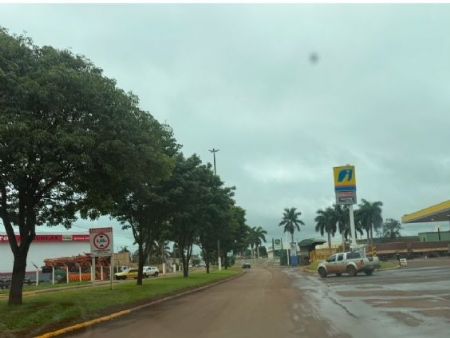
x=219 y=260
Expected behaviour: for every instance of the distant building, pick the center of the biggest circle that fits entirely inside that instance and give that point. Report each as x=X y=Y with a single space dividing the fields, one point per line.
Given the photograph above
x=435 y=236
x=45 y=245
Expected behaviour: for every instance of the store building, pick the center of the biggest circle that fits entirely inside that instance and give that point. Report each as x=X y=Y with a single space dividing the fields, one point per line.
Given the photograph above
x=45 y=246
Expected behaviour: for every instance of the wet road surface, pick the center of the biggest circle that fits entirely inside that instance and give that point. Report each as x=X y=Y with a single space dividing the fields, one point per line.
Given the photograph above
x=285 y=303
x=260 y=304
x=409 y=302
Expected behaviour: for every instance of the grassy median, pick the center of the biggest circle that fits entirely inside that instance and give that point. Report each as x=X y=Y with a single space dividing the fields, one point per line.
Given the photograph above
x=41 y=312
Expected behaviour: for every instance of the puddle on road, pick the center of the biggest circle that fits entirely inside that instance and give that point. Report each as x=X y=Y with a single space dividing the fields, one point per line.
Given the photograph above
x=349 y=311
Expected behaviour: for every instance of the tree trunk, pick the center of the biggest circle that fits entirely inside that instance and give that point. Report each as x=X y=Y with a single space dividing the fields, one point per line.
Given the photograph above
x=371 y=234
x=185 y=259
x=207 y=261
x=225 y=260
x=141 y=258
x=185 y=267
x=20 y=265
x=329 y=240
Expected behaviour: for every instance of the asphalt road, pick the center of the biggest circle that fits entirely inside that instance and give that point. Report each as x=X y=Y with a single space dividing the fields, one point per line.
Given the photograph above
x=284 y=303
x=260 y=304
x=407 y=302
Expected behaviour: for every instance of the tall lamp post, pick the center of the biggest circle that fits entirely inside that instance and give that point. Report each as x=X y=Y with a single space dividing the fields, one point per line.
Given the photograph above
x=214 y=151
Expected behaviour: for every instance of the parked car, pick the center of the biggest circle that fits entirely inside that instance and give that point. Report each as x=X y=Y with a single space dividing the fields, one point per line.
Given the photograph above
x=131 y=273
x=246 y=266
x=5 y=283
x=151 y=271
x=348 y=262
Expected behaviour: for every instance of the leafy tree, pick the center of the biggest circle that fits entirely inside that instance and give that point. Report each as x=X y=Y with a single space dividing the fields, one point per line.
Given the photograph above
x=239 y=230
x=214 y=216
x=70 y=141
x=291 y=221
x=391 y=229
x=187 y=189
x=326 y=221
x=143 y=204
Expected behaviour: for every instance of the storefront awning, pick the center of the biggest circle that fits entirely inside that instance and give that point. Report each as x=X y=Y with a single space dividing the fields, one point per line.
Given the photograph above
x=436 y=213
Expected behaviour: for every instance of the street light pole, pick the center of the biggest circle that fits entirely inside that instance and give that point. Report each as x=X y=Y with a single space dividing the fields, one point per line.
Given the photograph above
x=214 y=151
x=219 y=260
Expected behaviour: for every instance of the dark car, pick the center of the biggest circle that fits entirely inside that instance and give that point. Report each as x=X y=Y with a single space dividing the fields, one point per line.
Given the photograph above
x=5 y=283
x=246 y=266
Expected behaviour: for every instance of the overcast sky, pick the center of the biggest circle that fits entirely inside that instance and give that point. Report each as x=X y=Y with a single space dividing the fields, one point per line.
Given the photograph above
x=240 y=78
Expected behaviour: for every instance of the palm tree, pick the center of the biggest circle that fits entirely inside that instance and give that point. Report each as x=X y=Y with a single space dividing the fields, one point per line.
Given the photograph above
x=259 y=237
x=256 y=235
x=160 y=250
x=291 y=222
x=342 y=219
x=371 y=217
x=325 y=222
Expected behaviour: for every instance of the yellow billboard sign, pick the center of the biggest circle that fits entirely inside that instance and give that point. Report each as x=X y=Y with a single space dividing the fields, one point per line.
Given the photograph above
x=344 y=176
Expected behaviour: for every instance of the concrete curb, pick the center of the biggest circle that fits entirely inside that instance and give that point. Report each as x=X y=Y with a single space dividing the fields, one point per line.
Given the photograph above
x=119 y=314
x=84 y=325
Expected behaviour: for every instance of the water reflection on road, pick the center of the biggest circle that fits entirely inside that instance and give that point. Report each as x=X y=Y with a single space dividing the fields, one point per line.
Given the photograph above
x=413 y=302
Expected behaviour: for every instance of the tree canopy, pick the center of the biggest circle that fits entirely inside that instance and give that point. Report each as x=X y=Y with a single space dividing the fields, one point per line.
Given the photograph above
x=70 y=141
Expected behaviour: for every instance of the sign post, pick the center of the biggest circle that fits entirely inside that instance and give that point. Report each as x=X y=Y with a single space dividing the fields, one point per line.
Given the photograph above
x=345 y=189
x=101 y=240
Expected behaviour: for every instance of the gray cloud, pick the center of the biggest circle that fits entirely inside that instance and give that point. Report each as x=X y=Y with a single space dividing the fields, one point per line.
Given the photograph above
x=239 y=78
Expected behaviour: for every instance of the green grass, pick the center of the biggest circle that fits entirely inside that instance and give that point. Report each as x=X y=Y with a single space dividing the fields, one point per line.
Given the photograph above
x=47 y=286
x=41 y=312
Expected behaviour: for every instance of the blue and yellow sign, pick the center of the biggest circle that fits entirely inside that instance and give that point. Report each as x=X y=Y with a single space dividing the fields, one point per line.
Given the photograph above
x=345 y=184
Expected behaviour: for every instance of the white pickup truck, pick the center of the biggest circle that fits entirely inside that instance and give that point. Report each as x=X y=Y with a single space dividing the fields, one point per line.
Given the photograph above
x=348 y=262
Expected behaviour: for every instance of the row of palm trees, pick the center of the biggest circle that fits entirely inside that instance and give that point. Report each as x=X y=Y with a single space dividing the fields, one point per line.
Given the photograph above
x=336 y=218
x=255 y=238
